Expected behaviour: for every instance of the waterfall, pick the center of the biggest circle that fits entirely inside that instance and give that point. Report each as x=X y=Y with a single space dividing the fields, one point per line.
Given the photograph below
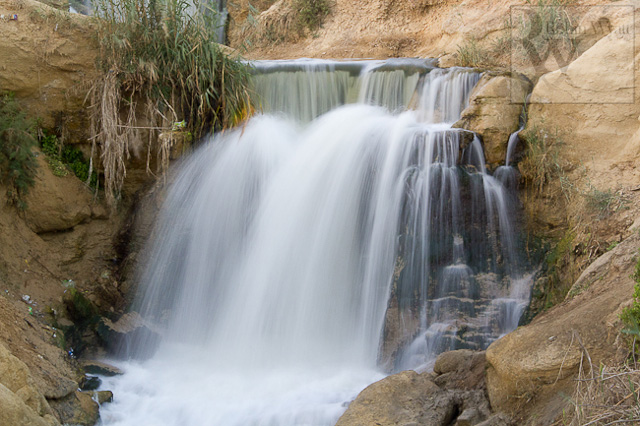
x=345 y=230
x=221 y=20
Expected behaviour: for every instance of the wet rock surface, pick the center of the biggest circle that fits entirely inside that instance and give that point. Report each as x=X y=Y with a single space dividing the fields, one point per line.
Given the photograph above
x=453 y=395
x=118 y=337
x=494 y=113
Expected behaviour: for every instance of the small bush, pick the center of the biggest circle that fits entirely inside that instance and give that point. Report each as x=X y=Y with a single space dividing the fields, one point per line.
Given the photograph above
x=65 y=158
x=604 y=202
x=470 y=54
x=542 y=160
x=630 y=315
x=17 y=162
x=311 y=13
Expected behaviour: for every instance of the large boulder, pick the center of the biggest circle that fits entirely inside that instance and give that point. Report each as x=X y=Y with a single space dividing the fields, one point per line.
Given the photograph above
x=454 y=394
x=402 y=399
x=13 y=411
x=494 y=110
x=56 y=203
x=16 y=384
x=462 y=369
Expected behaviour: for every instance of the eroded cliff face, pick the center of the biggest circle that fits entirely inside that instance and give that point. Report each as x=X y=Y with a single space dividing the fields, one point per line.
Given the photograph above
x=377 y=28
x=48 y=61
x=62 y=253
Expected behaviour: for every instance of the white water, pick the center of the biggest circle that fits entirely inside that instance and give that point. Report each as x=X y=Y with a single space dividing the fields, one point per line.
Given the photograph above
x=275 y=252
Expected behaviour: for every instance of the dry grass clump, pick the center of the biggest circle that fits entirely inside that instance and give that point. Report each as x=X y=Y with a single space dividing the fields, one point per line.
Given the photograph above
x=542 y=163
x=162 y=71
x=610 y=396
x=279 y=23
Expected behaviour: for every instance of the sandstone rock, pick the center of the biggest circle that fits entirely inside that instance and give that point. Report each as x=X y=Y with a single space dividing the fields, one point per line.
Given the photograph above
x=15 y=375
x=498 y=419
x=452 y=360
x=462 y=369
x=13 y=411
x=77 y=408
x=16 y=378
x=57 y=4
x=56 y=203
x=90 y=383
x=594 y=110
x=469 y=417
x=103 y=397
x=494 y=113
x=402 y=399
x=52 y=53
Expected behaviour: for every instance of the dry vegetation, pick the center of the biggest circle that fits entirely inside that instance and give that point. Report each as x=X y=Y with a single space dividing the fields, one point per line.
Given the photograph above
x=531 y=35
x=605 y=396
x=162 y=72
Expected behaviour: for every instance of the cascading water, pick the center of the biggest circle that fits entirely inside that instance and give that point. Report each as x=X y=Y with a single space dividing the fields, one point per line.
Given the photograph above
x=298 y=255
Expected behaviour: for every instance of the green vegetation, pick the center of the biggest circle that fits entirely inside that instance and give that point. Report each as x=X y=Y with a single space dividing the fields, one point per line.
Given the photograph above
x=545 y=27
x=558 y=265
x=311 y=13
x=542 y=161
x=160 y=58
x=630 y=315
x=470 y=54
x=604 y=202
x=63 y=159
x=534 y=32
x=17 y=161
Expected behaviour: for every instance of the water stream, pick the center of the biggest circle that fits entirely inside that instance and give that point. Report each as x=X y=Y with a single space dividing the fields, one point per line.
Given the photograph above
x=288 y=252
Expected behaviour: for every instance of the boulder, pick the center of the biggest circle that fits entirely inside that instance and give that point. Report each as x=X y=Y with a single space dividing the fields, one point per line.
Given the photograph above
x=462 y=369
x=402 y=399
x=77 y=408
x=15 y=375
x=28 y=357
x=56 y=203
x=494 y=110
x=13 y=411
x=58 y=4
x=103 y=397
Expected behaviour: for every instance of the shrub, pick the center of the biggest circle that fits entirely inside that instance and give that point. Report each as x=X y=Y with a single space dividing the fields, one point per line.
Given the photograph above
x=17 y=161
x=630 y=315
x=470 y=54
x=542 y=160
x=311 y=13
x=64 y=158
x=604 y=202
